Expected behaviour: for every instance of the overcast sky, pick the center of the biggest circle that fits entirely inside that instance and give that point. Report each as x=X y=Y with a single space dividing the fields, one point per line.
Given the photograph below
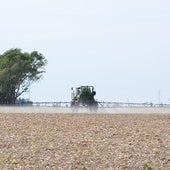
x=119 y=46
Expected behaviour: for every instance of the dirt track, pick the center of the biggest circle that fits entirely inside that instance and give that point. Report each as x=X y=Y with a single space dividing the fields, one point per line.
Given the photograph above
x=84 y=141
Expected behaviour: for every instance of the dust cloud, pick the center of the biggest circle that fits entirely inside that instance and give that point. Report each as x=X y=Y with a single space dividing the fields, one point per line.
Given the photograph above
x=53 y=110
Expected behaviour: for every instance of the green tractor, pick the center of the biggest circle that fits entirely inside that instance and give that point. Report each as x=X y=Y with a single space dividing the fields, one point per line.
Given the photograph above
x=83 y=96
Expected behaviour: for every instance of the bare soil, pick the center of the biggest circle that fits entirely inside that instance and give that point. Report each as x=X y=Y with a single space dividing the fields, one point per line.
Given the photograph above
x=84 y=141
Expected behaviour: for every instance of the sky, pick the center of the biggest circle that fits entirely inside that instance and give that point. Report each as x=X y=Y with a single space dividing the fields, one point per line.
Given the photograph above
x=121 y=47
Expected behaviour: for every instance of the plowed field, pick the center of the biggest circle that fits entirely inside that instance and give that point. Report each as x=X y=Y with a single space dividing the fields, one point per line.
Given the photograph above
x=84 y=141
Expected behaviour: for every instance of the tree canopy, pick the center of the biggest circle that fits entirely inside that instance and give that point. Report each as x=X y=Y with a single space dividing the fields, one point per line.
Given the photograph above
x=18 y=71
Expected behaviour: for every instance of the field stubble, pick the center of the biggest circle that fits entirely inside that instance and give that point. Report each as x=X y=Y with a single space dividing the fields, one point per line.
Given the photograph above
x=84 y=141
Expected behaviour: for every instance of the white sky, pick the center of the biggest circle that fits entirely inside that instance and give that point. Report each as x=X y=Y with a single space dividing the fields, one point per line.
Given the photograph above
x=119 y=46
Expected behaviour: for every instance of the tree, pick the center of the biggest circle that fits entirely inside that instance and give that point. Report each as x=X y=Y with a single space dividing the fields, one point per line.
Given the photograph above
x=17 y=72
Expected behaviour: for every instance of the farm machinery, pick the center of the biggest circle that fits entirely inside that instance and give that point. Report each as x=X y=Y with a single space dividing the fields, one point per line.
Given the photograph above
x=83 y=96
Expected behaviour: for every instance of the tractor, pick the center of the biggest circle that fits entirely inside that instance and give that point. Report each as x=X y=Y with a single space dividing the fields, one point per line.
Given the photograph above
x=83 y=96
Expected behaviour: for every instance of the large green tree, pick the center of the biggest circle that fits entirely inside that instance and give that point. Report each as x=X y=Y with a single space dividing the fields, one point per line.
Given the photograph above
x=18 y=71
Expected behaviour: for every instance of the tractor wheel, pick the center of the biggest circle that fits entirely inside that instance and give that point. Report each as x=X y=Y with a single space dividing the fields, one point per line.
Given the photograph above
x=75 y=107
x=94 y=107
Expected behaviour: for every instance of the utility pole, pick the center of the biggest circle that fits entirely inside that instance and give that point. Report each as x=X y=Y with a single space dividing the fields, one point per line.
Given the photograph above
x=159 y=97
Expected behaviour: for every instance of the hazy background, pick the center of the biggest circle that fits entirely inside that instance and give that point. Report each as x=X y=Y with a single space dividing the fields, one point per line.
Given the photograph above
x=119 y=46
